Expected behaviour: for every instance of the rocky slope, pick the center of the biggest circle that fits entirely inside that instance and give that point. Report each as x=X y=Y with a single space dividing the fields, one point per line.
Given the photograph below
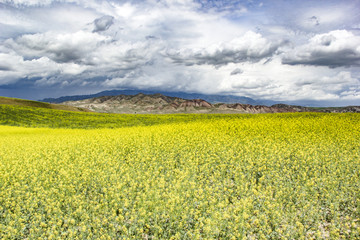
x=158 y=103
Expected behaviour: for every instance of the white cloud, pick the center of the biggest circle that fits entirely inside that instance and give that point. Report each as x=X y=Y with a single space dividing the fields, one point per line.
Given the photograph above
x=334 y=49
x=37 y=3
x=251 y=47
x=14 y=67
x=17 y=68
x=283 y=82
x=325 y=16
x=68 y=47
x=236 y=71
x=213 y=47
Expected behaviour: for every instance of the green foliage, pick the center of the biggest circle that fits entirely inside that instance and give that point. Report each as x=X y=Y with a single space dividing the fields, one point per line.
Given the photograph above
x=39 y=117
x=36 y=104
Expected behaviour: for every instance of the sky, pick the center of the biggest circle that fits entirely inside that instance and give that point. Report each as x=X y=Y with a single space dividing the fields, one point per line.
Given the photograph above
x=282 y=50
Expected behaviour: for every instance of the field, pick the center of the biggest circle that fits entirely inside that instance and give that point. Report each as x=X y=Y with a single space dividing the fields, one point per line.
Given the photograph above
x=36 y=104
x=265 y=176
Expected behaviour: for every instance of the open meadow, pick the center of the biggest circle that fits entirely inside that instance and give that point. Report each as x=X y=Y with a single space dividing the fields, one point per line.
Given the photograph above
x=69 y=175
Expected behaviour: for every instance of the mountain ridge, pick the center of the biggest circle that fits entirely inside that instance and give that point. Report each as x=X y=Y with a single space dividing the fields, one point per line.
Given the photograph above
x=212 y=98
x=158 y=103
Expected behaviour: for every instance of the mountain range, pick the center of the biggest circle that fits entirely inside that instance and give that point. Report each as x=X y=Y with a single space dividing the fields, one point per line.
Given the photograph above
x=158 y=103
x=209 y=98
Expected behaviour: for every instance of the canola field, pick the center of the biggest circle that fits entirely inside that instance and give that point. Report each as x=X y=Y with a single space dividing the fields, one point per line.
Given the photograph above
x=266 y=176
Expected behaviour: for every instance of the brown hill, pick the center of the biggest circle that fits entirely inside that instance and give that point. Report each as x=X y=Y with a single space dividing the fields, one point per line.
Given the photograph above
x=158 y=103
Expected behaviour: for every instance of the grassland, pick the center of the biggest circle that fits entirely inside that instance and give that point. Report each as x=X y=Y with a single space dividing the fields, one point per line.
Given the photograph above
x=36 y=104
x=25 y=116
x=266 y=176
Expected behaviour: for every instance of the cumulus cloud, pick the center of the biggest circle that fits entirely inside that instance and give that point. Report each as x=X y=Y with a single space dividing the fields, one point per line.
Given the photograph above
x=125 y=55
x=226 y=47
x=59 y=47
x=5 y=68
x=340 y=86
x=26 y=2
x=36 y=3
x=343 y=81
x=84 y=48
x=103 y=23
x=252 y=83
x=236 y=71
x=230 y=7
x=251 y=47
x=19 y=68
x=315 y=20
x=57 y=57
x=334 y=49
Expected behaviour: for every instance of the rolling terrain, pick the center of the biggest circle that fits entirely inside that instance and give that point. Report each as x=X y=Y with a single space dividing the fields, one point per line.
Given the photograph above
x=37 y=104
x=25 y=116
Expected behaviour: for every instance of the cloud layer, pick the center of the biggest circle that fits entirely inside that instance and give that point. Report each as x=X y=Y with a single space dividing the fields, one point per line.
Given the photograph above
x=338 y=48
x=249 y=48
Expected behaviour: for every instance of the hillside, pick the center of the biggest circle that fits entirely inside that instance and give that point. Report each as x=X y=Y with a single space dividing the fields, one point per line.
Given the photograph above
x=159 y=103
x=37 y=104
x=14 y=115
x=25 y=116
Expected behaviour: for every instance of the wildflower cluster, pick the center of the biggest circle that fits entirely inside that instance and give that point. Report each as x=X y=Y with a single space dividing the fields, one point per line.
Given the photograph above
x=272 y=176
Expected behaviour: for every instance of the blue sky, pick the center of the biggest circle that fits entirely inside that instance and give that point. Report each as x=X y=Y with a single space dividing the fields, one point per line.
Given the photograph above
x=279 y=50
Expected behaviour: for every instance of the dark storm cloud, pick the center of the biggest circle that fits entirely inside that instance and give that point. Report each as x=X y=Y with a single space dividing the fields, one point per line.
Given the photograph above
x=103 y=23
x=343 y=58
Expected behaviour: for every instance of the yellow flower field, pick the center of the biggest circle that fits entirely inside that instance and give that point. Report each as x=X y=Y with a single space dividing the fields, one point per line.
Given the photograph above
x=267 y=176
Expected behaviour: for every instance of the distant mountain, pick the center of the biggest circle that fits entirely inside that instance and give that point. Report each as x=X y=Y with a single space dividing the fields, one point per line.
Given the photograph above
x=159 y=103
x=210 y=98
